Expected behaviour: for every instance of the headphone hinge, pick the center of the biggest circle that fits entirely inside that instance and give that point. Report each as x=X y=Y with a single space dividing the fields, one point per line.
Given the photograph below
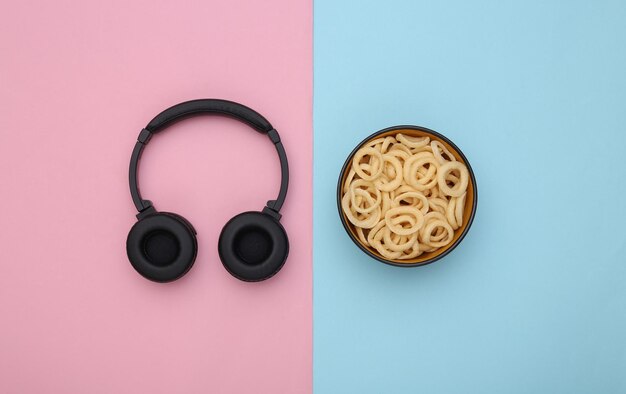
x=147 y=210
x=269 y=210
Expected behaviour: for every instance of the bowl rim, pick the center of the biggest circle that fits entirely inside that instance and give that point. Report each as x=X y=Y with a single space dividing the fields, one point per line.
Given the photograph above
x=346 y=225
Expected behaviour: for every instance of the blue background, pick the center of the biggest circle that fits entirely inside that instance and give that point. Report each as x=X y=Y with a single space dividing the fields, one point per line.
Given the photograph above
x=534 y=299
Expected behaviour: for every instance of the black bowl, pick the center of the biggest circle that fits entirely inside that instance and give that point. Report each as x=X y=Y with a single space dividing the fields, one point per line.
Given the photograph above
x=470 y=205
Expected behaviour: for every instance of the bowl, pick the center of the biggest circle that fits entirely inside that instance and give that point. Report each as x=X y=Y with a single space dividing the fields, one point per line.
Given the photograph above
x=468 y=213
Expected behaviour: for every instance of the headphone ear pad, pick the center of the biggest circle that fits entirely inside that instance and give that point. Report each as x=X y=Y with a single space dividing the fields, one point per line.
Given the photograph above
x=253 y=246
x=162 y=247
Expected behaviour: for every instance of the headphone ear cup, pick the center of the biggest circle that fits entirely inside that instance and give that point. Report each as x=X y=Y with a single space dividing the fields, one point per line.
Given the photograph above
x=253 y=246
x=162 y=247
x=182 y=219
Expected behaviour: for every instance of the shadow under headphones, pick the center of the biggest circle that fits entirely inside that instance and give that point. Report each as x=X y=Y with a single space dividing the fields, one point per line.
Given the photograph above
x=162 y=246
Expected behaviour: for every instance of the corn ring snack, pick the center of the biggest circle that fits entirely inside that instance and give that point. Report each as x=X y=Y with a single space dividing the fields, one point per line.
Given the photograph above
x=364 y=193
x=414 y=252
x=417 y=174
x=406 y=213
x=413 y=142
x=459 y=187
x=362 y=237
x=387 y=203
x=375 y=241
x=365 y=221
x=400 y=148
x=398 y=243
x=349 y=179
x=450 y=213
x=394 y=183
x=428 y=233
x=372 y=232
x=388 y=141
x=375 y=168
x=431 y=193
x=439 y=150
x=392 y=245
x=438 y=204
x=419 y=200
x=458 y=211
x=363 y=202
x=375 y=142
x=429 y=217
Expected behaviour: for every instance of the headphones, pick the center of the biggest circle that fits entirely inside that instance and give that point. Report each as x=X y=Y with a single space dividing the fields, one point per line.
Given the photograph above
x=162 y=246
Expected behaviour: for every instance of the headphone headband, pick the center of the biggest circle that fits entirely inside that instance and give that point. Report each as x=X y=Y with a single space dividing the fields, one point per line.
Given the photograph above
x=206 y=107
x=209 y=106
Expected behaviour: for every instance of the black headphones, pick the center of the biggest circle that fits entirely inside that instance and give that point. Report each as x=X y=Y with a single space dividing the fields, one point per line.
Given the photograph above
x=162 y=246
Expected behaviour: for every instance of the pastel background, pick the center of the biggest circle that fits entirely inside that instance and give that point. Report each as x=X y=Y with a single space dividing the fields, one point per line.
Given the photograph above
x=78 y=81
x=534 y=299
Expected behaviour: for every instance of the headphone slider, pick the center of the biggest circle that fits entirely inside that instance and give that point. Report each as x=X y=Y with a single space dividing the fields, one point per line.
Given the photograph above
x=273 y=134
x=144 y=136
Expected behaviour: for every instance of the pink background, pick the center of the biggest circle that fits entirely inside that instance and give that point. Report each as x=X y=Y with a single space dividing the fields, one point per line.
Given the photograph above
x=78 y=82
